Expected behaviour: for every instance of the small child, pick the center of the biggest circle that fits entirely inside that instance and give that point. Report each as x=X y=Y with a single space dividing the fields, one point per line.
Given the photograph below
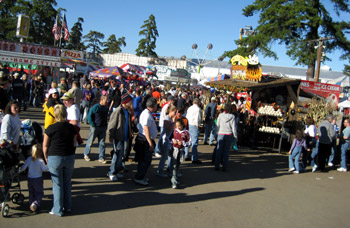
x=295 y=151
x=181 y=139
x=35 y=166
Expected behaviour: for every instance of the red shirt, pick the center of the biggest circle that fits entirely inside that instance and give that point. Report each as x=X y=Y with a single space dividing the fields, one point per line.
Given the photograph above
x=182 y=136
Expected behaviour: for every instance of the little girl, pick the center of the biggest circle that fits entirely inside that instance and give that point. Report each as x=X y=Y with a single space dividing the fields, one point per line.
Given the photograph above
x=35 y=166
x=181 y=139
x=295 y=151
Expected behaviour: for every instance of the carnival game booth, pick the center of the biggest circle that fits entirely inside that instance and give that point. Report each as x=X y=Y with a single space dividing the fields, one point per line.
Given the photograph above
x=267 y=104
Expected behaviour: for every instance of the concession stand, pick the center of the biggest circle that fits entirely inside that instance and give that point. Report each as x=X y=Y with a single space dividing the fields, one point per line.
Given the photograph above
x=268 y=100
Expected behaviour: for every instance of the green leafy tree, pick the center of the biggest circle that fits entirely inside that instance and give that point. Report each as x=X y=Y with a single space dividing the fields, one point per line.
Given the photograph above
x=294 y=24
x=43 y=16
x=94 y=43
x=8 y=17
x=112 y=45
x=147 y=45
x=76 y=34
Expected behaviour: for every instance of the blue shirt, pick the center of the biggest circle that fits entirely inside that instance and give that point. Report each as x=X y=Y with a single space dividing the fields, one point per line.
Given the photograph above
x=346 y=133
x=126 y=113
x=137 y=103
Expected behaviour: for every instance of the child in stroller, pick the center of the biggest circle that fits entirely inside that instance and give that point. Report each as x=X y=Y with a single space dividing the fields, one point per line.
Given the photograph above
x=9 y=160
x=32 y=134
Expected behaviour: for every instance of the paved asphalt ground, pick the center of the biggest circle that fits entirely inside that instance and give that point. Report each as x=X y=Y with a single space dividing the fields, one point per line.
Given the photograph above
x=257 y=191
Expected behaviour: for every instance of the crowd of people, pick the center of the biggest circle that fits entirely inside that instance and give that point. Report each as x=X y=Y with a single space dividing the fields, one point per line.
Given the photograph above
x=126 y=115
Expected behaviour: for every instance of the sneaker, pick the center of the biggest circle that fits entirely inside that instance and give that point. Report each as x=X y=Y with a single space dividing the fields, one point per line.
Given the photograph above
x=113 y=178
x=141 y=182
x=330 y=164
x=291 y=169
x=341 y=169
x=103 y=161
x=86 y=157
x=162 y=174
x=33 y=207
x=197 y=162
x=158 y=155
x=314 y=168
x=174 y=186
x=295 y=171
x=119 y=175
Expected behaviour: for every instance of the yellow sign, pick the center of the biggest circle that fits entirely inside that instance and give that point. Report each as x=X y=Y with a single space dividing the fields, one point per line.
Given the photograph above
x=23 y=26
x=240 y=59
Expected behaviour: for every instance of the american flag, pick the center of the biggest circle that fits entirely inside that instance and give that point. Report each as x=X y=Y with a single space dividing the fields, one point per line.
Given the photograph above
x=56 y=30
x=65 y=27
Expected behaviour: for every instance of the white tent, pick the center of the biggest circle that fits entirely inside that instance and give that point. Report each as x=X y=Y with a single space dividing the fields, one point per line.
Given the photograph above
x=344 y=104
x=343 y=81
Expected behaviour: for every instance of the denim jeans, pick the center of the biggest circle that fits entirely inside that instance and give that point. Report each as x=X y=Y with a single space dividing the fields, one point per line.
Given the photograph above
x=296 y=153
x=209 y=129
x=85 y=107
x=222 y=150
x=100 y=133
x=175 y=165
x=117 y=159
x=194 y=133
x=164 y=147
x=314 y=154
x=61 y=170
x=344 y=150
x=157 y=149
x=334 y=148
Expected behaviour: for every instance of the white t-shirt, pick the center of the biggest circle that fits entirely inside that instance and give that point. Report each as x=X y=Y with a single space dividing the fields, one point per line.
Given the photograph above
x=73 y=113
x=310 y=131
x=163 y=115
x=146 y=119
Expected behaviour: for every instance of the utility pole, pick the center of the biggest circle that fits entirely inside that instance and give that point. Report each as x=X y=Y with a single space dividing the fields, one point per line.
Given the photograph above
x=319 y=54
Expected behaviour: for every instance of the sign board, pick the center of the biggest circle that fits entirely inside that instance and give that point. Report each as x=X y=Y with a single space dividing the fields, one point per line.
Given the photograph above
x=34 y=49
x=30 y=61
x=72 y=54
x=329 y=91
x=23 y=24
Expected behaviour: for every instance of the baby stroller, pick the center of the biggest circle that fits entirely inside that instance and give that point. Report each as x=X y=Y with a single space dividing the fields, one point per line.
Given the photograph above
x=9 y=160
x=32 y=133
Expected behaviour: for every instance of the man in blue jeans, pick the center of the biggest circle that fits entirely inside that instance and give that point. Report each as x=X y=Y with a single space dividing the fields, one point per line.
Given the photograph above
x=345 y=146
x=97 y=118
x=194 y=116
x=210 y=113
x=119 y=132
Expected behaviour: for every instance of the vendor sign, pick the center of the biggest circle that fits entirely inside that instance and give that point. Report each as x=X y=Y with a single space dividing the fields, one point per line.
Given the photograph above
x=30 y=61
x=329 y=91
x=29 y=49
x=246 y=68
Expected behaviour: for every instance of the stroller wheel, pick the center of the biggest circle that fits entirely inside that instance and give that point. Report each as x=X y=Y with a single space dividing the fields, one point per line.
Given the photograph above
x=5 y=210
x=20 y=199
x=15 y=198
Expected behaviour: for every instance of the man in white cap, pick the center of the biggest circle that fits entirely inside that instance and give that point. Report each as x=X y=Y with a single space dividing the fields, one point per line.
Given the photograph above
x=73 y=113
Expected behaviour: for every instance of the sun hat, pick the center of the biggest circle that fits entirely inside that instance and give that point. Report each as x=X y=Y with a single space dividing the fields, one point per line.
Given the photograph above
x=67 y=96
x=52 y=91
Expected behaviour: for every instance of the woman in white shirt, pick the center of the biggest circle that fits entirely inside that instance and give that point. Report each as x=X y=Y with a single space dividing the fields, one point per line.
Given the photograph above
x=11 y=124
x=310 y=134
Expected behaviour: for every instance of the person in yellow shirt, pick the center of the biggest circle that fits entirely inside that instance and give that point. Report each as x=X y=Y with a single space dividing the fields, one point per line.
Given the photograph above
x=48 y=106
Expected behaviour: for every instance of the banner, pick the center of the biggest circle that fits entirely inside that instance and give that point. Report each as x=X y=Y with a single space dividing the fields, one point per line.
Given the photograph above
x=30 y=61
x=72 y=54
x=34 y=49
x=329 y=91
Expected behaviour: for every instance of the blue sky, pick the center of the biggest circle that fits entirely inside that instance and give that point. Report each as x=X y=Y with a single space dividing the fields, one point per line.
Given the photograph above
x=180 y=24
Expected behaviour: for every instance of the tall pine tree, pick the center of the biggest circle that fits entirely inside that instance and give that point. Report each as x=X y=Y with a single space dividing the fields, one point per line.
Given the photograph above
x=112 y=45
x=294 y=24
x=76 y=34
x=147 y=45
x=94 y=43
